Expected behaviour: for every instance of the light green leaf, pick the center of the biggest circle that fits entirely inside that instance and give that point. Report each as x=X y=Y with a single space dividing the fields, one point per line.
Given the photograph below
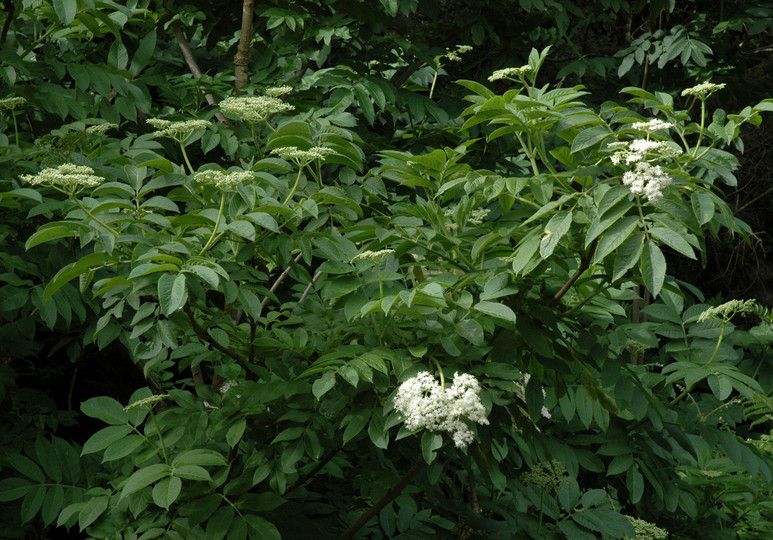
x=106 y=409
x=235 y=432
x=500 y=311
x=66 y=10
x=167 y=491
x=653 y=268
x=104 y=438
x=555 y=229
x=614 y=236
x=192 y=472
x=144 y=477
x=91 y=511
x=122 y=448
x=199 y=456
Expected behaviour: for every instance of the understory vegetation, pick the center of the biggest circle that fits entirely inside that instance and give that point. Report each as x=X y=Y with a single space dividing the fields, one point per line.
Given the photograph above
x=396 y=269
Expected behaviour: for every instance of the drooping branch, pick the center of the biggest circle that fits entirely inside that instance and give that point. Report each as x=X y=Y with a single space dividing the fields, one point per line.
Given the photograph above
x=242 y=58
x=10 y=9
x=584 y=264
x=185 y=48
x=318 y=467
x=206 y=337
x=383 y=501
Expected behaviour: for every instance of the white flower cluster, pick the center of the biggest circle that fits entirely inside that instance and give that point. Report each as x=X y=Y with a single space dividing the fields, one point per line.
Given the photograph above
x=372 y=256
x=101 y=129
x=477 y=216
x=425 y=404
x=69 y=177
x=11 y=102
x=302 y=157
x=647 y=179
x=254 y=109
x=179 y=131
x=509 y=73
x=222 y=180
x=639 y=149
x=703 y=90
x=654 y=124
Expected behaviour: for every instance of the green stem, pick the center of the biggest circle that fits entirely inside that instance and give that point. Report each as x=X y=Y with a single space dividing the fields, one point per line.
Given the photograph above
x=687 y=390
x=432 y=88
x=185 y=157
x=217 y=226
x=92 y=216
x=292 y=191
x=440 y=371
x=160 y=438
x=700 y=134
x=380 y=282
x=15 y=128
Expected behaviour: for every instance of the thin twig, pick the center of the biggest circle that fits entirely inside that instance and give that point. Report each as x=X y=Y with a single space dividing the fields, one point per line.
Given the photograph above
x=185 y=47
x=279 y=281
x=310 y=285
x=383 y=501
x=318 y=467
x=584 y=264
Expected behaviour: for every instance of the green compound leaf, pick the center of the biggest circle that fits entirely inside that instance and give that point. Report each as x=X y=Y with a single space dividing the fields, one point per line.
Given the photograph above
x=144 y=477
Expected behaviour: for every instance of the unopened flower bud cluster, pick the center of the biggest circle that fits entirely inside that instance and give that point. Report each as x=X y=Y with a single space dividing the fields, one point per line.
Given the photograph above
x=426 y=404
x=148 y=402
x=179 y=131
x=255 y=109
x=11 y=102
x=101 y=129
x=372 y=256
x=726 y=311
x=222 y=180
x=303 y=157
x=69 y=177
x=509 y=73
x=703 y=90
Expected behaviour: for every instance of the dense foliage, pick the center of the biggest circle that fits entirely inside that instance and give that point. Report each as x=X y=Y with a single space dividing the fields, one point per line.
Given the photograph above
x=293 y=271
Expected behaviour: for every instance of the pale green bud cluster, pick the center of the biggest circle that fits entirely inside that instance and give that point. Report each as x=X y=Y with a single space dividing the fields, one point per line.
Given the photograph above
x=222 y=180
x=101 y=129
x=179 y=131
x=703 y=90
x=303 y=156
x=477 y=216
x=148 y=402
x=372 y=256
x=12 y=102
x=646 y=530
x=725 y=312
x=68 y=177
x=254 y=109
x=277 y=91
x=510 y=73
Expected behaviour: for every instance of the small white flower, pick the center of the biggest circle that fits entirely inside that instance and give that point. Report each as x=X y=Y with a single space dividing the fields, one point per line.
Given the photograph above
x=101 y=129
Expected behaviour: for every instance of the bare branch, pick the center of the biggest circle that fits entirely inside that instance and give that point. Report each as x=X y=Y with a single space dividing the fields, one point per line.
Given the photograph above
x=242 y=58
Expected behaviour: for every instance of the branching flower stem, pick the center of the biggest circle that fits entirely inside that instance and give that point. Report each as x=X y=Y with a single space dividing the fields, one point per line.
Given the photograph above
x=295 y=186
x=216 y=227
x=92 y=216
x=687 y=390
